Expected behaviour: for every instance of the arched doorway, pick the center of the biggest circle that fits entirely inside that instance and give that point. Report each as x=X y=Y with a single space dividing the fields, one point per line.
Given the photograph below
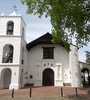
x=6 y=78
x=48 y=77
x=85 y=77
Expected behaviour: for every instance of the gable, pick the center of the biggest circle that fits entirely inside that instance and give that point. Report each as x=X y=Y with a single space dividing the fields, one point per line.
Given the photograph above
x=45 y=39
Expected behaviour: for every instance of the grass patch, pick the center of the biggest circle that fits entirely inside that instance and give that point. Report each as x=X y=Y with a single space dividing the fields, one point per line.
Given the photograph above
x=44 y=98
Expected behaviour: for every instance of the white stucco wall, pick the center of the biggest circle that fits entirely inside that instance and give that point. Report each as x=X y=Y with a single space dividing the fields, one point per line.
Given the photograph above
x=15 y=42
x=74 y=67
x=60 y=65
x=15 y=75
x=84 y=65
x=24 y=56
x=18 y=42
x=18 y=24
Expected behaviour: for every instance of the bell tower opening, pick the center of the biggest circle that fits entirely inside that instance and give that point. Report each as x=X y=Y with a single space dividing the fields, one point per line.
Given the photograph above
x=7 y=54
x=10 y=27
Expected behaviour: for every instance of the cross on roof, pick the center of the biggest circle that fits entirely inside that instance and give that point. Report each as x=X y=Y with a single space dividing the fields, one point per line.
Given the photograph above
x=15 y=8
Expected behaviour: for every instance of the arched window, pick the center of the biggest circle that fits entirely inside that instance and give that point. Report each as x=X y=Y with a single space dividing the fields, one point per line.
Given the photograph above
x=10 y=27
x=7 y=54
x=22 y=61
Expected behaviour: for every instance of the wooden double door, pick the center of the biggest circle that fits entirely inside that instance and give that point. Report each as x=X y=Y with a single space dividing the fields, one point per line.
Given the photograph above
x=48 y=77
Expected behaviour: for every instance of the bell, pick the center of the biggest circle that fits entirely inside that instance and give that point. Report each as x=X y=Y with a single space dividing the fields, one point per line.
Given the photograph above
x=10 y=27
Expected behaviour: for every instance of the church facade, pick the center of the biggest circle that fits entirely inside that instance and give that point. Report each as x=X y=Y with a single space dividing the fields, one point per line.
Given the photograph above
x=40 y=62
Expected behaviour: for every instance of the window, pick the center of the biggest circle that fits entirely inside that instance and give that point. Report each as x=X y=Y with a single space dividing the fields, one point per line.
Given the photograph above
x=48 y=52
x=23 y=32
x=31 y=76
x=22 y=61
x=10 y=26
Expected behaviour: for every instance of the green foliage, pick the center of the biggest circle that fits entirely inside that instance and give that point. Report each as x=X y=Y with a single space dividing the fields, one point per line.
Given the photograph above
x=70 y=19
x=87 y=57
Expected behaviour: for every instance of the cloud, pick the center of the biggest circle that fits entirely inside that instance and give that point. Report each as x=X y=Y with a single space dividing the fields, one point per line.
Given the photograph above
x=35 y=30
x=39 y=26
x=82 y=54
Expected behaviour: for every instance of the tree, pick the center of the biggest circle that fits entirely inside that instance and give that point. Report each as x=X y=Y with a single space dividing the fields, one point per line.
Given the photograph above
x=70 y=19
x=87 y=57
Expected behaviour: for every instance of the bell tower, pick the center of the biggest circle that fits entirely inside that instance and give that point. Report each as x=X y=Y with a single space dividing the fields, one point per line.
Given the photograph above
x=12 y=25
x=12 y=45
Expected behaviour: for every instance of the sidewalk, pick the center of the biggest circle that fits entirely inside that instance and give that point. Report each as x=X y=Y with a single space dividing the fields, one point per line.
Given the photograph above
x=44 y=92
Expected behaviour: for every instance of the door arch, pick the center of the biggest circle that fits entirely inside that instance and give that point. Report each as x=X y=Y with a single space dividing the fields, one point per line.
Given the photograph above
x=85 y=76
x=6 y=77
x=48 y=77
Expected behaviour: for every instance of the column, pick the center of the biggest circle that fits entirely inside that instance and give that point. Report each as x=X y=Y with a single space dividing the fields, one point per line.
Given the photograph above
x=15 y=78
x=1 y=80
x=58 y=78
x=74 y=67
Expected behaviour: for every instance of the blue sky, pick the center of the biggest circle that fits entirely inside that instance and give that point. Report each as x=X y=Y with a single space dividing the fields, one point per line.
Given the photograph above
x=35 y=26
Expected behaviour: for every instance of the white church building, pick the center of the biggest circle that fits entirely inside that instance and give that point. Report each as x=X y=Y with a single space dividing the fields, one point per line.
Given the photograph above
x=38 y=63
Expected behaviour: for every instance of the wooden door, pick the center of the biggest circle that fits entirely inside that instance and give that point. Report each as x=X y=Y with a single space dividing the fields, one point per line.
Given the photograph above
x=48 y=77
